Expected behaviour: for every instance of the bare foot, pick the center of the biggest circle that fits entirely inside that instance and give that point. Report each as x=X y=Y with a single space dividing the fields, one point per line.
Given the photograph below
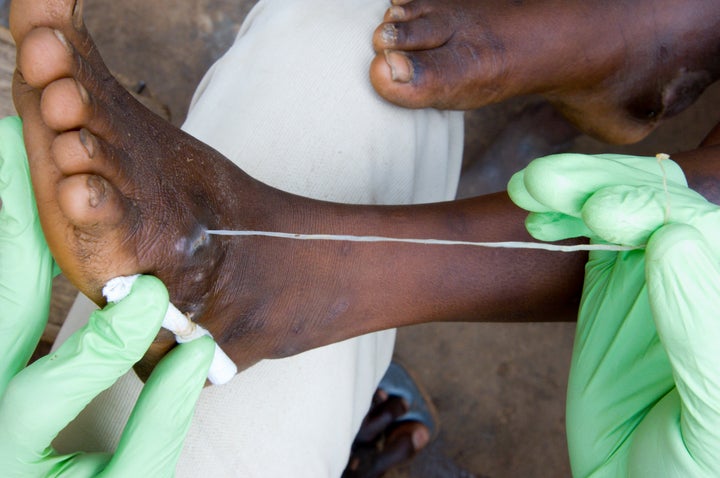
x=121 y=191
x=614 y=69
x=383 y=441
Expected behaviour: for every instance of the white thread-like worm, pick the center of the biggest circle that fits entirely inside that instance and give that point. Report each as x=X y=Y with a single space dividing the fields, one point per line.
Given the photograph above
x=442 y=242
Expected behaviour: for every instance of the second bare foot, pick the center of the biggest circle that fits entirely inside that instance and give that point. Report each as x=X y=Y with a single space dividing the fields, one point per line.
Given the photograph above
x=615 y=70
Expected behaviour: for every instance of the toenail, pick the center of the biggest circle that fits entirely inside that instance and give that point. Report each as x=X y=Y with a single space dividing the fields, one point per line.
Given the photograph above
x=19 y=77
x=96 y=191
x=88 y=142
x=389 y=33
x=396 y=13
x=77 y=14
x=63 y=41
x=401 y=69
x=420 y=438
x=84 y=96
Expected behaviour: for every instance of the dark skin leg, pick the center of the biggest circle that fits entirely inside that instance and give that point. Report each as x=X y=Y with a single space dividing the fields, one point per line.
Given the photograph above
x=615 y=69
x=113 y=202
x=713 y=137
x=702 y=168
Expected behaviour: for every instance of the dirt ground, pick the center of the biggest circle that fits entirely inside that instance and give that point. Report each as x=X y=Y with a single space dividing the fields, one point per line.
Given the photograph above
x=499 y=388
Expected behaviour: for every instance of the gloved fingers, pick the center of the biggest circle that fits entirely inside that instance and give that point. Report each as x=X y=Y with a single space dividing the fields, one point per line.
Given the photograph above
x=26 y=266
x=153 y=438
x=563 y=182
x=521 y=196
x=544 y=225
x=45 y=396
x=18 y=205
x=628 y=215
x=554 y=226
x=683 y=279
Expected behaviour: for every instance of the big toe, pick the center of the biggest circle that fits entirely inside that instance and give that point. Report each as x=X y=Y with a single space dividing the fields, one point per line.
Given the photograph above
x=423 y=79
x=28 y=14
x=393 y=76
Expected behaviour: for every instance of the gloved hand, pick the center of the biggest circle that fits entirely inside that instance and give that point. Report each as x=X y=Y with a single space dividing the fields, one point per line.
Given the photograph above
x=38 y=401
x=644 y=390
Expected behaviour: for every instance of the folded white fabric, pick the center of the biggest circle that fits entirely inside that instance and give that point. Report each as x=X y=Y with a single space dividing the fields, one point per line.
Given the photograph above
x=222 y=369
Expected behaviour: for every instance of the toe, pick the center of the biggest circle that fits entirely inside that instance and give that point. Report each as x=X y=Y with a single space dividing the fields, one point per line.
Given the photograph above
x=28 y=14
x=89 y=200
x=405 y=10
x=395 y=76
x=391 y=67
x=437 y=78
x=81 y=152
x=401 y=2
x=73 y=155
x=420 y=34
x=381 y=415
x=404 y=442
x=77 y=89
x=45 y=56
x=66 y=105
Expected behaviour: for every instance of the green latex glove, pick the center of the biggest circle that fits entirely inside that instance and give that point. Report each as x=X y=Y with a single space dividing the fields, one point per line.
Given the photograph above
x=644 y=388
x=38 y=401
x=26 y=266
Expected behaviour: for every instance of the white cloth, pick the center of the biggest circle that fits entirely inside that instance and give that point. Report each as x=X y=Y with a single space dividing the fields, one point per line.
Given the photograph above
x=291 y=104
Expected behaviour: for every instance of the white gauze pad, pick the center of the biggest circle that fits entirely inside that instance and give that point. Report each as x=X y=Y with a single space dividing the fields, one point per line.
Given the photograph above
x=222 y=369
